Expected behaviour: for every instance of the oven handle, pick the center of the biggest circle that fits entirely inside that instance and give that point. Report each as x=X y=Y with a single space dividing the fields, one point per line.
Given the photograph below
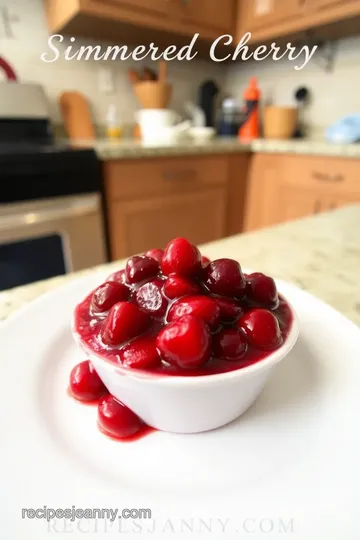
x=56 y=211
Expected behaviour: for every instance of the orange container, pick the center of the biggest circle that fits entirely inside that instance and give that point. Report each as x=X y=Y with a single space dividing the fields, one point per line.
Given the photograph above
x=153 y=94
x=251 y=127
x=280 y=122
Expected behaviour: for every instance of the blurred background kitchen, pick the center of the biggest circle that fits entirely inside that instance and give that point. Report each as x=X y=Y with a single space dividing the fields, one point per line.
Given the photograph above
x=103 y=159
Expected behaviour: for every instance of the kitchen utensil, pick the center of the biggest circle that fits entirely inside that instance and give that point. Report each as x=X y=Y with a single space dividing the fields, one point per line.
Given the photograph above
x=8 y=70
x=280 y=122
x=148 y=75
x=196 y=114
x=133 y=76
x=20 y=100
x=153 y=94
x=206 y=100
x=76 y=114
x=162 y=75
x=302 y=97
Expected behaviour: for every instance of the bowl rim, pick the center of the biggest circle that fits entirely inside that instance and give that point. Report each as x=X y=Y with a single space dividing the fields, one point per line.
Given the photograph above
x=268 y=361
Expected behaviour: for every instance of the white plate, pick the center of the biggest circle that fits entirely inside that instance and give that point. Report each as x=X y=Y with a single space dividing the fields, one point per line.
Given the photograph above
x=289 y=468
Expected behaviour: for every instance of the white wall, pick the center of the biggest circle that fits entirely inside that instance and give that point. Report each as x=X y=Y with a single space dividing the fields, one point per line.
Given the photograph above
x=333 y=94
x=30 y=41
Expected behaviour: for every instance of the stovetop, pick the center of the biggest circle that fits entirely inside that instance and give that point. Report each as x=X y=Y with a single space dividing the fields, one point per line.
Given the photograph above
x=31 y=148
x=31 y=171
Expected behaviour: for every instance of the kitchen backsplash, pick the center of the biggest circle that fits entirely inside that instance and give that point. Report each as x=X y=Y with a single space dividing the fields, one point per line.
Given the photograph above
x=24 y=35
x=333 y=94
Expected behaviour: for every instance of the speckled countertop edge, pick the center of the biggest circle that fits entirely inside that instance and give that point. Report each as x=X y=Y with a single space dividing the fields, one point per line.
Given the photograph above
x=129 y=149
x=319 y=254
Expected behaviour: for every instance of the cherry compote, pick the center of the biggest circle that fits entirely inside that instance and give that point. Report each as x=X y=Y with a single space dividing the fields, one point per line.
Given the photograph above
x=175 y=313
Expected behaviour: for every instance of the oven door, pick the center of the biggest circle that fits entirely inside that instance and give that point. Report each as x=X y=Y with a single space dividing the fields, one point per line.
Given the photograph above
x=48 y=238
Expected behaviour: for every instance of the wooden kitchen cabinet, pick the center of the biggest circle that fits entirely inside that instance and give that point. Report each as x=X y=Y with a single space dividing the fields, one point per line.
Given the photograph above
x=164 y=22
x=326 y=3
x=286 y=187
x=211 y=16
x=268 y=20
x=257 y=14
x=150 y=201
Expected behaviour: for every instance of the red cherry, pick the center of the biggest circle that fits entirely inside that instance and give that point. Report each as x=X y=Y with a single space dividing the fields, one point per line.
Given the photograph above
x=229 y=344
x=185 y=343
x=261 y=289
x=230 y=310
x=140 y=268
x=140 y=353
x=261 y=328
x=123 y=322
x=225 y=278
x=201 y=306
x=117 y=420
x=156 y=254
x=85 y=383
x=177 y=286
x=149 y=298
x=108 y=294
x=118 y=276
x=181 y=257
x=205 y=261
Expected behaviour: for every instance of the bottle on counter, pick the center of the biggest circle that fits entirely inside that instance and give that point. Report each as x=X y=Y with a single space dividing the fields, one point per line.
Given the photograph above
x=113 y=129
x=250 y=128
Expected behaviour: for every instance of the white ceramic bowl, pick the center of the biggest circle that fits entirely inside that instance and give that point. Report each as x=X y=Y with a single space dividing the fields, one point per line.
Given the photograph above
x=189 y=404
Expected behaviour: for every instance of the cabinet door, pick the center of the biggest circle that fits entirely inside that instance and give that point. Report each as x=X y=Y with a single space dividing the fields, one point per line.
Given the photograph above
x=157 y=6
x=211 y=14
x=136 y=226
x=319 y=4
x=260 y=13
x=332 y=202
x=271 y=200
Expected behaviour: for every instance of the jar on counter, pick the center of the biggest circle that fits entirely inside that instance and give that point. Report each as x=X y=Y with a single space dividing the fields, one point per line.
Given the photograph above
x=231 y=118
x=113 y=127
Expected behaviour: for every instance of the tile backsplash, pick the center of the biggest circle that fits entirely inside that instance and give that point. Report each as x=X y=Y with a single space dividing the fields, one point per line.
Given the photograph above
x=24 y=35
x=27 y=40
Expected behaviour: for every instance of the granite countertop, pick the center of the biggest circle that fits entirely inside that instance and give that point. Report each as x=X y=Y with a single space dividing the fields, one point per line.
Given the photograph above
x=320 y=254
x=130 y=149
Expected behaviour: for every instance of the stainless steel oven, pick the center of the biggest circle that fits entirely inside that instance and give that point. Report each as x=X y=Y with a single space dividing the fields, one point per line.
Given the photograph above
x=50 y=237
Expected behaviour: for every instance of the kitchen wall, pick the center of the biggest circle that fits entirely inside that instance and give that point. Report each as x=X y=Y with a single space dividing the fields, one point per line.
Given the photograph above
x=28 y=40
x=23 y=38
x=333 y=94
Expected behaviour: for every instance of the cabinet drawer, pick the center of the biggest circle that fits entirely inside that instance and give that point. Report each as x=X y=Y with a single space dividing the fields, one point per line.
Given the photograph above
x=324 y=173
x=139 y=179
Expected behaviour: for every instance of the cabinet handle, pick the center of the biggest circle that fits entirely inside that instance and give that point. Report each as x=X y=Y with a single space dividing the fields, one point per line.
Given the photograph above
x=185 y=174
x=327 y=177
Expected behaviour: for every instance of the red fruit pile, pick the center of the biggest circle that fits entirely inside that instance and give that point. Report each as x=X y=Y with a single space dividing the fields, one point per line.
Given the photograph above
x=114 y=418
x=174 y=312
